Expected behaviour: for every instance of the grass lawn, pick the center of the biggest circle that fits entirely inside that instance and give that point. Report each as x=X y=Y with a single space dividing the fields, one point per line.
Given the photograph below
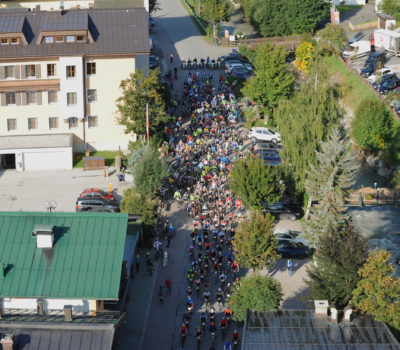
x=109 y=158
x=347 y=8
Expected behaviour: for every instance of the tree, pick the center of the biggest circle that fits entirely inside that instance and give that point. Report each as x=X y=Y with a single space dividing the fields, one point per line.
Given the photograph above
x=272 y=80
x=148 y=170
x=340 y=254
x=216 y=11
x=138 y=203
x=137 y=92
x=153 y=6
x=255 y=183
x=303 y=121
x=378 y=292
x=255 y=243
x=305 y=54
x=391 y=7
x=332 y=39
x=372 y=125
x=304 y=16
x=327 y=185
x=255 y=293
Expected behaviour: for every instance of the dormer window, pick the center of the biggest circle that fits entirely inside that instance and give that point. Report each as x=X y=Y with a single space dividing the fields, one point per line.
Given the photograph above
x=59 y=39
x=12 y=41
x=4 y=41
x=80 y=38
x=49 y=39
x=70 y=38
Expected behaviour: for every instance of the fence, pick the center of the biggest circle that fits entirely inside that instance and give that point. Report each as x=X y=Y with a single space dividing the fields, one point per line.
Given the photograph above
x=365 y=81
x=290 y=42
x=372 y=196
x=362 y=26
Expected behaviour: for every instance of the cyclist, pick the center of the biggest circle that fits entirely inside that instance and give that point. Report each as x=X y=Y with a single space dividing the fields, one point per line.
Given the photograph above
x=183 y=330
x=236 y=336
x=223 y=322
x=227 y=345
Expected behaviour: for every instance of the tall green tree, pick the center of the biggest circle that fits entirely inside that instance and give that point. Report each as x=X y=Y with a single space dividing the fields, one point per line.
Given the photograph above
x=372 y=125
x=272 y=80
x=332 y=39
x=138 y=203
x=304 y=16
x=255 y=183
x=148 y=170
x=378 y=292
x=255 y=293
x=255 y=243
x=304 y=120
x=340 y=253
x=216 y=11
x=327 y=185
x=137 y=92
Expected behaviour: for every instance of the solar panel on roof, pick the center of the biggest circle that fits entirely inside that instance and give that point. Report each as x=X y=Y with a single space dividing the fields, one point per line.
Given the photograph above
x=69 y=20
x=11 y=23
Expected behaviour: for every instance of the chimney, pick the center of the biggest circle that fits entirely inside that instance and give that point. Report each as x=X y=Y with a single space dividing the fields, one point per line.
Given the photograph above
x=68 y=313
x=334 y=314
x=321 y=308
x=44 y=236
x=2 y=270
x=7 y=342
x=347 y=313
x=40 y=310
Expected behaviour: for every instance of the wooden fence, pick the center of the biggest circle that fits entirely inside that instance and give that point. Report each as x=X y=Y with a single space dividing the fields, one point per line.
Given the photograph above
x=290 y=42
x=372 y=196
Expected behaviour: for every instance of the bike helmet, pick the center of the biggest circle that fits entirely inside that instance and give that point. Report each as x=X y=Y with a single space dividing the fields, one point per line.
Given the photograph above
x=219 y=289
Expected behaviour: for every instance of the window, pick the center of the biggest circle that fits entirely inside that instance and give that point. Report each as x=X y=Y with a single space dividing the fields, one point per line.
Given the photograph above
x=90 y=68
x=30 y=97
x=91 y=95
x=14 y=41
x=92 y=122
x=32 y=123
x=9 y=72
x=52 y=96
x=71 y=98
x=80 y=38
x=53 y=123
x=10 y=98
x=4 y=41
x=11 y=124
x=51 y=70
x=70 y=38
x=59 y=39
x=30 y=70
x=49 y=39
x=70 y=71
x=73 y=123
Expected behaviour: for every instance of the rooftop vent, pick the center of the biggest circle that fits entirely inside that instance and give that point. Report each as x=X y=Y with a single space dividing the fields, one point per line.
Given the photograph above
x=7 y=342
x=68 y=313
x=321 y=308
x=44 y=236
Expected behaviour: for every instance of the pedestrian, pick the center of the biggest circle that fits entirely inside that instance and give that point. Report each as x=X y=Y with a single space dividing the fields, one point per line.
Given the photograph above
x=165 y=260
x=171 y=58
x=138 y=260
x=290 y=267
x=168 y=285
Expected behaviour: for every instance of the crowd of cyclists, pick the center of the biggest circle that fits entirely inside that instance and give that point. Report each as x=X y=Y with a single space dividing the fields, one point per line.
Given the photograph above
x=203 y=143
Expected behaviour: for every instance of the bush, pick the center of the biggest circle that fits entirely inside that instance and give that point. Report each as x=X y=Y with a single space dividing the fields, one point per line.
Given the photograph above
x=255 y=293
x=372 y=125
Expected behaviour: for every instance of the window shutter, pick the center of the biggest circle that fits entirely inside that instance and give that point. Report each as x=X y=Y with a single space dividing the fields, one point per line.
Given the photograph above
x=37 y=71
x=3 y=99
x=2 y=72
x=18 y=97
x=17 y=70
x=23 y=99
x=23 y=72
x=39 y=97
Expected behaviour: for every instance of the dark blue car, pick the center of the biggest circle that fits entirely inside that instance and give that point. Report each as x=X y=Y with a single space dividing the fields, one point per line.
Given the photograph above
x=289 y=249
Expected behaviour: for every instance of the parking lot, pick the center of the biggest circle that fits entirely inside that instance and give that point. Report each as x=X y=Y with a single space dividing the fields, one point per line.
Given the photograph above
x=29 y=191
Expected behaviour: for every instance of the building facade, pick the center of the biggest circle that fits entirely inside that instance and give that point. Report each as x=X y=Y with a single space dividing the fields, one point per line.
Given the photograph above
x=60 y=73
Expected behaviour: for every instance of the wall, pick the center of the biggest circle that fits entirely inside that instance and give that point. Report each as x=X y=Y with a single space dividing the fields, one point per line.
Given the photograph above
x=349 y=2
x=109 y=135
x=49 y=304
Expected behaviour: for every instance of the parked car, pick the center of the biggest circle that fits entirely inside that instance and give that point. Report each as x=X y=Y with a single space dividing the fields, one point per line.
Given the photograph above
x=231 y=56
x=379 y=73
x=388 y=85
x=376 y=57
x=284 y=234
x=95 y=204
x=152 y=22
x=153 y=61
x=240 y=73
x=233 y=66
x=293 y=250
x=266 y=146
x=368 y=70
x=384 y=78
x=97 y=193
x=229 y=64
x=265 y=134
x=281 y=212
x=270 y=157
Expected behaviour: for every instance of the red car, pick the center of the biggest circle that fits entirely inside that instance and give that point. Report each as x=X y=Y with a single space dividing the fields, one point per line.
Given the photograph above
x=97 y=193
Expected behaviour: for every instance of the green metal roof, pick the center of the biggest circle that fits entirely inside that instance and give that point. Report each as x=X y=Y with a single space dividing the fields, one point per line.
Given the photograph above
x=84 y=263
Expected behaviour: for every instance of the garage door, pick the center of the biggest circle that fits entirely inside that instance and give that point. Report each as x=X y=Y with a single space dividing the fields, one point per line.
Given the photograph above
x=46 y=160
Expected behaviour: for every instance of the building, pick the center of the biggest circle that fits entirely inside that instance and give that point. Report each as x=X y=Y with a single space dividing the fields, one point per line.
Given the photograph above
x=62 y=278
x=304 y=329
x=60 y=73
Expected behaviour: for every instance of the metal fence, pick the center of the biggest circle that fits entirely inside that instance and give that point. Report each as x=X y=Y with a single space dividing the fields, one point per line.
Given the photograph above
x=374 y=196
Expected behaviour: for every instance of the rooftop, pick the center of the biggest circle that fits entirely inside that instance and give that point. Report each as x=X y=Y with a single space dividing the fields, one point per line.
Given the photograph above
x=85 y=261
x=300 y=329
x=111 y=31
